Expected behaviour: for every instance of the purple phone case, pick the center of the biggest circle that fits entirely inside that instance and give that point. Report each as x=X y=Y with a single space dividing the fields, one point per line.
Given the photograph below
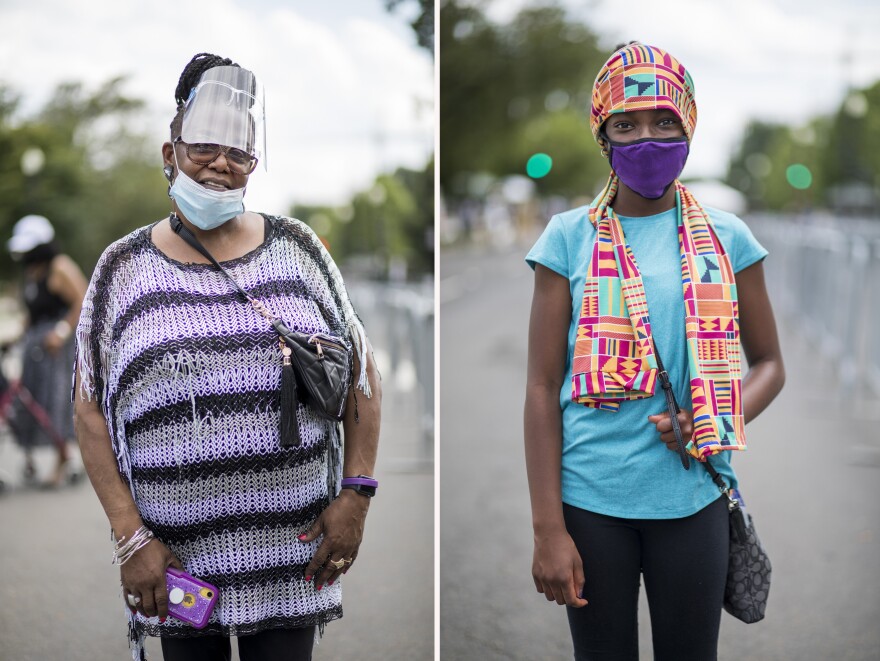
x=197 y=601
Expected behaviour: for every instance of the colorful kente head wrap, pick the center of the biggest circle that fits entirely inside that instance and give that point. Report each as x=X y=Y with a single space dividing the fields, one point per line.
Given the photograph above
x=640 y=77
x=614 y=359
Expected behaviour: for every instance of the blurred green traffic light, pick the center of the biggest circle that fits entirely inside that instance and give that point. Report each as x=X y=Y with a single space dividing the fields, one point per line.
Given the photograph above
x=539 y=165
x=799 y=176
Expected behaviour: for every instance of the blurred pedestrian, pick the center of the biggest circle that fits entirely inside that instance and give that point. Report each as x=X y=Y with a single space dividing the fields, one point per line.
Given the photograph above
x=52 y=291
x=182 y=418
x=643 y=278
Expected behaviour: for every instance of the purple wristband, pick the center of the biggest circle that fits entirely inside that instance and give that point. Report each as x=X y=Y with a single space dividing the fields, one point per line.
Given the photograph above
x=363 y=481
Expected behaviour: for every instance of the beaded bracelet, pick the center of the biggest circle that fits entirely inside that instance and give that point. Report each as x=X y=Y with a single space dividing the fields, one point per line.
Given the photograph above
x=125 y=549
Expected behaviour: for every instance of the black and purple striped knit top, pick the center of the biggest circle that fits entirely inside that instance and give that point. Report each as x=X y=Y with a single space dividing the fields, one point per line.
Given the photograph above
x=188 y=376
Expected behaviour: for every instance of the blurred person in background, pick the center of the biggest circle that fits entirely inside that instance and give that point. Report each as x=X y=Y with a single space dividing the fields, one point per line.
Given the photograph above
x=52 y=291
x=644 y=270
x=179 y=403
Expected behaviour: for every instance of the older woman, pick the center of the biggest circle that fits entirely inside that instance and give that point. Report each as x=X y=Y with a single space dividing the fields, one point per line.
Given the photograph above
x=179 y=407
x=644 y=271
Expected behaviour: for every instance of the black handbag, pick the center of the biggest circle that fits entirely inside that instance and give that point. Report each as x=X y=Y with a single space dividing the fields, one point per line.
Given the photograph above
x=748 y=567
x=319 y=366
x=748 y=570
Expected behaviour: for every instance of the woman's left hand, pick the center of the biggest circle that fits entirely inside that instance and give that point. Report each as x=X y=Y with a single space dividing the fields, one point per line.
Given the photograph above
x=342 y=525
x=664 y=426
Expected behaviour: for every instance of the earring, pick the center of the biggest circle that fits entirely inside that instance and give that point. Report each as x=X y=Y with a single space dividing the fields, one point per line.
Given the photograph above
x=168 y=171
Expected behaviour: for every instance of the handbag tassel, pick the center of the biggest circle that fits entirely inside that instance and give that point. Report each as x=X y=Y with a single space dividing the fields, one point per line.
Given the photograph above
x=738 y=524
x=289 y=404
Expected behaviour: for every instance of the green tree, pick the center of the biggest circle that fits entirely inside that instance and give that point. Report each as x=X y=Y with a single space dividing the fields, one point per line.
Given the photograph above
x=578 y=167
x=473 y=100
x=841 y=153
x=509 y=91
x=853 y=153
x=423 y=24
x=384 y=229
x=81 y=162
x=752 y=163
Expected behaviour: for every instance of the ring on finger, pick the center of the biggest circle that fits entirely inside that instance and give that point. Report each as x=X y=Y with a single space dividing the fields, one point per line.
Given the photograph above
x=133 y=601
x=338 y=564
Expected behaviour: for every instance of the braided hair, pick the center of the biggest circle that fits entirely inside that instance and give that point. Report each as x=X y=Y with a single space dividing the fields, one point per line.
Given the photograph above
x=192 y=72
x=624 y=44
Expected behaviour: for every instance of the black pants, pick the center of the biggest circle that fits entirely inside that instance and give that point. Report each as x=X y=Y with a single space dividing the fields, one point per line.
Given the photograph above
x=271 y=645
x=684 y=562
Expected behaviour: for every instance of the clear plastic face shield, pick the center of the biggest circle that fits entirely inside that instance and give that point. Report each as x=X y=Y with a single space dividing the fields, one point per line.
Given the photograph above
x=227 y=108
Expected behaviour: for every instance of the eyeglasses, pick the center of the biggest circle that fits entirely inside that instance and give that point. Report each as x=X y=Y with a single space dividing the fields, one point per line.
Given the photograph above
x=204 y=153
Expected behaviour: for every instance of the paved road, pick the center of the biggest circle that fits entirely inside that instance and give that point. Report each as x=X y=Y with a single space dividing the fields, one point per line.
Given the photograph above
x=59 y=595
x=811 y=479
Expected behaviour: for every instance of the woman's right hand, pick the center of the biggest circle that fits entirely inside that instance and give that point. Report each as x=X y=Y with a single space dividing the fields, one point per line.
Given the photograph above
x=557 y=569
x=53 y=342
x=143 y=575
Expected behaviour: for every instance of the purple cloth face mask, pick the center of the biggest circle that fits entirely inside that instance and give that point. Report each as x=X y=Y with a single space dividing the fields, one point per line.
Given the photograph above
x=649 y=166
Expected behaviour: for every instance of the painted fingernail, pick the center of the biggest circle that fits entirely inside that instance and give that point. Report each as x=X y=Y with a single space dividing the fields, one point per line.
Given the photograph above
x=319 y=588
x=302 y=537
x=308 y=578
x=329 y=582
x=162 y=620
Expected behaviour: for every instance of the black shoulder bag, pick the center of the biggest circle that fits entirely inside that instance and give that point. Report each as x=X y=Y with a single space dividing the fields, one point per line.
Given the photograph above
x=319 y=364
x=748 y=568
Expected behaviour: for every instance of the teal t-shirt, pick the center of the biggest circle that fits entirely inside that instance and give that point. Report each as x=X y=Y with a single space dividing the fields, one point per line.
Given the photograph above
x=615 y=463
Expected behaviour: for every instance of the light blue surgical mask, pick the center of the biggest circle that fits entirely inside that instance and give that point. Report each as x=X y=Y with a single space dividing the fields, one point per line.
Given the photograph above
x=205 y=208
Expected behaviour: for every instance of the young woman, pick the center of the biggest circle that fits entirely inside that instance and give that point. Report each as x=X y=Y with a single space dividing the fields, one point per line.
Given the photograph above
x=180 y=406
x=644 y=270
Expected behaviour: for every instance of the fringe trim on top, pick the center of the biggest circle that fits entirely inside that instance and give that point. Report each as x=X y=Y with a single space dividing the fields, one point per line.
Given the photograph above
x=355 y=326
x=359 y=338
x=136 y=640
x=84 y=366
x=334 y=462
x=83 y=362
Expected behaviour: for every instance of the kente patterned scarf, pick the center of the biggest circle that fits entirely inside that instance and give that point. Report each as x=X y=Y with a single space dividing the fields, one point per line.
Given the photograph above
x=614 y=356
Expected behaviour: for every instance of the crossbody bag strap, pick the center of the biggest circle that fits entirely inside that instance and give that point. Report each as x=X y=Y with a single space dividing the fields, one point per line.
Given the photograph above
x=733 y=505
x=186 y=234
x=290 y=435
x=672 y=405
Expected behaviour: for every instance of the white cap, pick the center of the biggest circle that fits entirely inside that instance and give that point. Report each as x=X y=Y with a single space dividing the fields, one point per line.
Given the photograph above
x=30 y=232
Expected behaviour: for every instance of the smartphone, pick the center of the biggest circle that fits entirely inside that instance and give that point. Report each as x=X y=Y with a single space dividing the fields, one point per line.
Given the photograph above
x=190 y=599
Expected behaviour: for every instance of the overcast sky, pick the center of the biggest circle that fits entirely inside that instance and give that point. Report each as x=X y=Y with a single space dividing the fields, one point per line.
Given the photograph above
x=348 y=91
x=780 y=60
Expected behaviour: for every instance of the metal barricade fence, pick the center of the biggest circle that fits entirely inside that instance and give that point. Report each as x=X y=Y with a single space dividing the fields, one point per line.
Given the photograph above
x=823 y=275
x=400 y=321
